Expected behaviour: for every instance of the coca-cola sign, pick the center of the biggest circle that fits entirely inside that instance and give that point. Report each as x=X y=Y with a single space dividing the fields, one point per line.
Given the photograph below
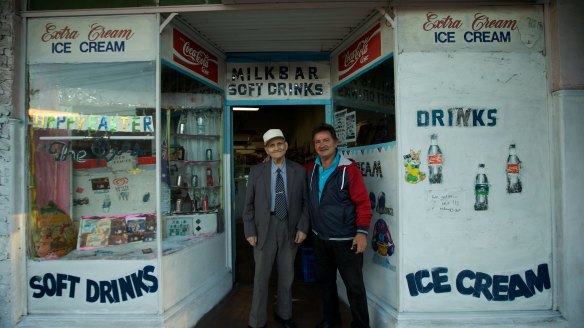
x=193 y=57
x=363 y=51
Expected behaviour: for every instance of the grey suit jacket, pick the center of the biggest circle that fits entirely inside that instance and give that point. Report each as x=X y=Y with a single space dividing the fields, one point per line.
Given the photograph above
x=256 y=211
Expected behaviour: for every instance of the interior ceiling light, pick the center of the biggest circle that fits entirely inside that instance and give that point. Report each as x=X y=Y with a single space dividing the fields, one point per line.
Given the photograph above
x=248 y=109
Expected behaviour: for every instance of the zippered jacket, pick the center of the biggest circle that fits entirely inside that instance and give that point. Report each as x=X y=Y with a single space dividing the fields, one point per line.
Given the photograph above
x=344 y=207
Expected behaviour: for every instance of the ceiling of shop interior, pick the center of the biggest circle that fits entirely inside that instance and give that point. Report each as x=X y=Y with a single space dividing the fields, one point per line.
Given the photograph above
x=294 y=25
x=270 y=26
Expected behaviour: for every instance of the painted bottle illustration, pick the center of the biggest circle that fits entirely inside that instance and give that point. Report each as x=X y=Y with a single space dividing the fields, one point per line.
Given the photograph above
x=513 y=171
x=435 y=161
x=209 y=177
x=481 y=190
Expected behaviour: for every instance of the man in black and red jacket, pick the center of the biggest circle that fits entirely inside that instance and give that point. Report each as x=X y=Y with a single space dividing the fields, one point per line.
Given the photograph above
x=340 y=214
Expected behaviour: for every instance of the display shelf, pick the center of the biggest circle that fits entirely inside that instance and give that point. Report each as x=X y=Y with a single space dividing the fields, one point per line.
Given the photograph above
x=202 y=162
x=195 y=188
x=195 y=136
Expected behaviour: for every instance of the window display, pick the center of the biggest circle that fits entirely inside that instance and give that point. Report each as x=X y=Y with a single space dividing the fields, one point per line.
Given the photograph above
x=191 y=162
x=364 y=111
x=92 y=157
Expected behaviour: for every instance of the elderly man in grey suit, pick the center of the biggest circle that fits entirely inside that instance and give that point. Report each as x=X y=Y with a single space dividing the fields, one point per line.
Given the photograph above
x=275 y=221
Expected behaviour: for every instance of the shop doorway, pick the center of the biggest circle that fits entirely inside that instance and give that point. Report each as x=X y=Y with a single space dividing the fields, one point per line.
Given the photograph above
x=297 y=122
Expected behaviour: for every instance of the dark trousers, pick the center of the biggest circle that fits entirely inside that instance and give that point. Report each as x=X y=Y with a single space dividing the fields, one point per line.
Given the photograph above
x=331 y=256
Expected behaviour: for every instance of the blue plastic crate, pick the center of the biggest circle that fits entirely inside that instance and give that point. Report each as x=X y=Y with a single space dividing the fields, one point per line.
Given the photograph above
x=307 y=254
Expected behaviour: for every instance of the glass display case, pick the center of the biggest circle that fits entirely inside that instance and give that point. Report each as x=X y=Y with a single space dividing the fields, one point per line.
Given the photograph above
x=192 y=186
x=92 y=161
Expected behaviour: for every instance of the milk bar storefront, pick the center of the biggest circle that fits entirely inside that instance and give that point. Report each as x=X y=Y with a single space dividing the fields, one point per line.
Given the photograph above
x=130 y=164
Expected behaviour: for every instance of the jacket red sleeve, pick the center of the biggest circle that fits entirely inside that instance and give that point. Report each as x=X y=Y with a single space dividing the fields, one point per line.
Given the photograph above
x=360 y=197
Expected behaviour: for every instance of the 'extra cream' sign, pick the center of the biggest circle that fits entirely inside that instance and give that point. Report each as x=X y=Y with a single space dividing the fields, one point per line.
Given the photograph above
x=193 y=57
x=278 y=81
x=489 y=29
x=92 y=39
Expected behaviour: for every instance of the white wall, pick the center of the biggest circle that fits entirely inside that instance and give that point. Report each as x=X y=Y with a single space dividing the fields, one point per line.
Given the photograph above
x=514 y=235
x=569 y=115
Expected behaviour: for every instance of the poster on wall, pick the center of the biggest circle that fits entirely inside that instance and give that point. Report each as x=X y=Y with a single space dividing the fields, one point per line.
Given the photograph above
x=92 y=39
x=351 y=127
x=339 y=123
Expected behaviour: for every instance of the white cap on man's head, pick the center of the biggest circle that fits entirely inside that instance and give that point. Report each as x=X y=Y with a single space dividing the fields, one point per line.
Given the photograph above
x=271 y=134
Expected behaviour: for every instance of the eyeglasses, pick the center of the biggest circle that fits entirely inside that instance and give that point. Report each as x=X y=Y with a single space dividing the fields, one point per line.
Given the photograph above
x=279 y=144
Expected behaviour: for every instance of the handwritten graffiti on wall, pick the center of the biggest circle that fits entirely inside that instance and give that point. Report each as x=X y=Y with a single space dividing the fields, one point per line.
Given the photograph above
x=457 y=116
x=480 y=284
x=117 y=290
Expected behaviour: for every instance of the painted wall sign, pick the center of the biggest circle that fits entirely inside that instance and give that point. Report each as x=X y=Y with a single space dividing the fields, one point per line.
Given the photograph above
x=362 y=52
x=70 y=121
x=95 y=286
x=92 y=39
x=192 y=56
x=480 y=284
x=457 y=116
x=491 y=29
x=278 y=81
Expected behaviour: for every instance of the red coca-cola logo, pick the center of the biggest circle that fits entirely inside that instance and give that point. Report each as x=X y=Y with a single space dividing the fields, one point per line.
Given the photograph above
x=363 y=51
x=193 y=57
x=435 y=159
x=513 y=168
x=198 y=57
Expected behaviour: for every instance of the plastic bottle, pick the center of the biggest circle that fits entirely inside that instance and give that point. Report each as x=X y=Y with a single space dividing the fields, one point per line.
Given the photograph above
x=201 y=124
x=205 y=203
x=513 y=171
x=435 y=161
x=209 y=177
x=181 y=126
x=481 y=190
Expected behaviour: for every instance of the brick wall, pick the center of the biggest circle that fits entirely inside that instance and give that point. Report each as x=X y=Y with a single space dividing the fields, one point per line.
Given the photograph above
x=7 y=41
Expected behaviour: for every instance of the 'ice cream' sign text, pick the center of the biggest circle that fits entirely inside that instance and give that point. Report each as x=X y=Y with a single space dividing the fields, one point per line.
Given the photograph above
x=480 y=284
x=494 y=28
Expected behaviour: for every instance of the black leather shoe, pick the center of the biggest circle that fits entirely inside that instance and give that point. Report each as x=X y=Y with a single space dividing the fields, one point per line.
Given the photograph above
x=286 y=323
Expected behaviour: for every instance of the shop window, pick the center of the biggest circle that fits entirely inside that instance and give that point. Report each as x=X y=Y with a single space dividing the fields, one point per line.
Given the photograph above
x=191 y=160
x=364 y=108
x=92 y=163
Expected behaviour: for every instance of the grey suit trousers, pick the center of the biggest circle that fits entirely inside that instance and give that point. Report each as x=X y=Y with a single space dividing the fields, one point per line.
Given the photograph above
x=277 y=247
